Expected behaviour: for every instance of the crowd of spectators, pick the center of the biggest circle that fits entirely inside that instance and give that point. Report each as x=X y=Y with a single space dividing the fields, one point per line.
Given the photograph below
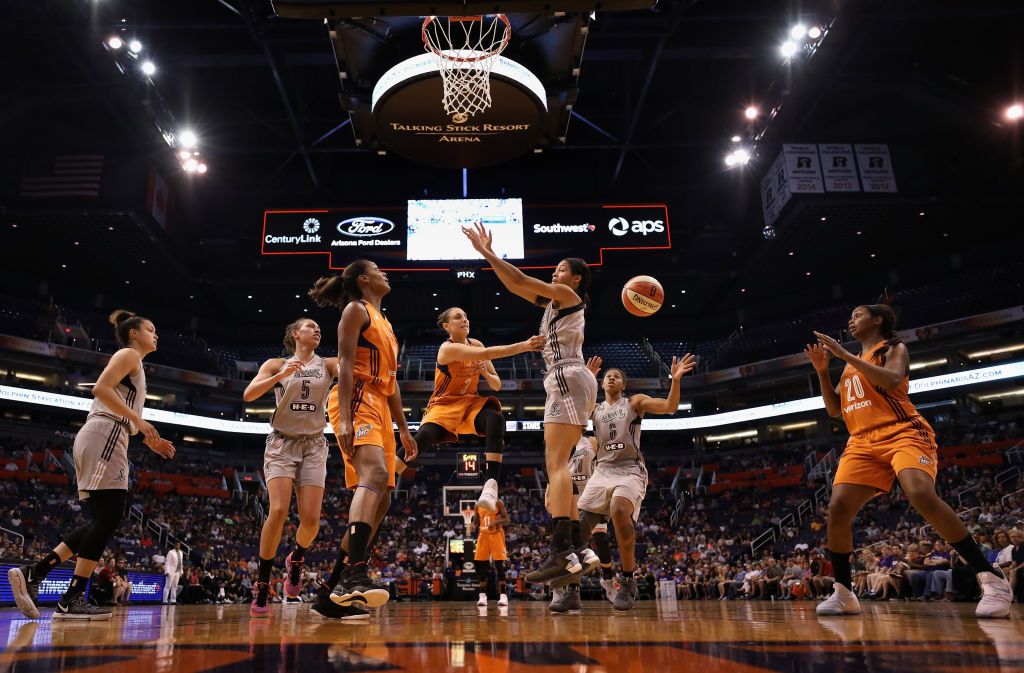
x=706 y=554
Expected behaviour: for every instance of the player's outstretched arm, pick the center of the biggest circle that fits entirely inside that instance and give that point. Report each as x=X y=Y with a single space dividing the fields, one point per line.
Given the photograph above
x=453 y=352
x=666 y=405
x=517 y=282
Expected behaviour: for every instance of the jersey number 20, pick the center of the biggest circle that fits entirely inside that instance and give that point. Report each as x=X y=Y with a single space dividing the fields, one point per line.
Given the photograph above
x=854 y=387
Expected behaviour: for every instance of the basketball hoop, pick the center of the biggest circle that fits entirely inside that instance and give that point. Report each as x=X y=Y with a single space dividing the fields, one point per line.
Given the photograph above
x=467 y=517
x=464 y=48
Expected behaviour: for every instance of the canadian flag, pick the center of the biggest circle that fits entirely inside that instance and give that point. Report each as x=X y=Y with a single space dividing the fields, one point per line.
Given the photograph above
x=158 y=198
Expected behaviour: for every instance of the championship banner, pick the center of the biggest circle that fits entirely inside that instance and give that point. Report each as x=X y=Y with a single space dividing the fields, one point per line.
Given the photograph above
x=775 y=192
x=839 y=168
x=803 y=170
x=875 y=166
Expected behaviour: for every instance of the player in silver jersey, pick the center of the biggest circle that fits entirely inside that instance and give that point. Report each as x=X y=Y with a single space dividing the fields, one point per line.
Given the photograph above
x=101 y=470
x=619 y=483
x=296 y=451
x=571 y=389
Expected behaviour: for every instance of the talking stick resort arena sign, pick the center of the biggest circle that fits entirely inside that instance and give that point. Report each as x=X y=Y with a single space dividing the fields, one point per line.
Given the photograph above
x=411 y=121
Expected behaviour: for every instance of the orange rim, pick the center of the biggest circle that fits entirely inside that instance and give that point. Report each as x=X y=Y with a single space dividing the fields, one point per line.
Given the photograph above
x=463 y=19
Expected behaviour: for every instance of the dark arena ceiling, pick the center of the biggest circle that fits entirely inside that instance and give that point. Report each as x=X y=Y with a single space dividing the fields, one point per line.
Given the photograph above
x=660 y=93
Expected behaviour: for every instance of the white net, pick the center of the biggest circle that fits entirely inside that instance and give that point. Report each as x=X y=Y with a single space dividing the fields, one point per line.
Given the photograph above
x=464 y=48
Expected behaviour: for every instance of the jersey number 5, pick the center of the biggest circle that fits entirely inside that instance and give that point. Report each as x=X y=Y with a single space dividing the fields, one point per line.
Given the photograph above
x=305 y=389
x=854 y=387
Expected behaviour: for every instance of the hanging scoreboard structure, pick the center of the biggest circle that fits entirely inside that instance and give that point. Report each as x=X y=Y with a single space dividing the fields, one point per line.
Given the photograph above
x=426 y=235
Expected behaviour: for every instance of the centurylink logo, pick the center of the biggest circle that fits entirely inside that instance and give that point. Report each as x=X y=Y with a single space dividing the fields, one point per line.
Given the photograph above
x=365 y=226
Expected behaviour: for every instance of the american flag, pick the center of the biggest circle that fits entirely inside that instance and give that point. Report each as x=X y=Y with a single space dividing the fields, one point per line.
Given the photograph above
x=63 y=175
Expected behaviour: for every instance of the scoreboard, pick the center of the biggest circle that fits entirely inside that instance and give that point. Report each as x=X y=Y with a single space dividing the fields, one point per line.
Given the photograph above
x=424 y=235
x=467 y=466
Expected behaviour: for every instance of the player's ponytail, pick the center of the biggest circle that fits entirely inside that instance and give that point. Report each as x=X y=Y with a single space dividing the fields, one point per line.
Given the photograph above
x=578 y=267
x=289 y=338
x=444 y=317
x=340 y=290
x=888 y=326
x=124 y=322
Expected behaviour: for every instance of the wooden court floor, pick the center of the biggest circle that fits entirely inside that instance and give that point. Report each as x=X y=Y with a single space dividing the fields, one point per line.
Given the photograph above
x=655 y=637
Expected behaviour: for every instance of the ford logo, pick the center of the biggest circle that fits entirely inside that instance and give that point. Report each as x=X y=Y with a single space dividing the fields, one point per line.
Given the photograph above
x=365 y=226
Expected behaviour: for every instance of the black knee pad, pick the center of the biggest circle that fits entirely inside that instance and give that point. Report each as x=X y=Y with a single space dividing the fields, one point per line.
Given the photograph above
x=107 y=509
x=491 y=424
x=499 y=570
x=604 y=547
x=427 y=437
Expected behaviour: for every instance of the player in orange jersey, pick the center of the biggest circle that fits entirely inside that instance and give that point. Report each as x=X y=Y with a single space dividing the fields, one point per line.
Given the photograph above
x=490 y=546
x=361 y=409
x=456 y=408
x=888 y=439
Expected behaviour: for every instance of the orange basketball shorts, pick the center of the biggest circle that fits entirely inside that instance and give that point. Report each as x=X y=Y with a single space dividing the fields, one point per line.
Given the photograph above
x=371 y=425
x=875 y=457
x=457 y=415
x=491 y=546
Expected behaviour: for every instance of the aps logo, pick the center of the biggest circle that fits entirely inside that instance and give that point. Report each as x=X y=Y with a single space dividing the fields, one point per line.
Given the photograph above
x=620 y=226
x=365 y=226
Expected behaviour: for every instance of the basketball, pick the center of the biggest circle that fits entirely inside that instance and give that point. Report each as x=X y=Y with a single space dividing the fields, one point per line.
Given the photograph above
x=642 y=296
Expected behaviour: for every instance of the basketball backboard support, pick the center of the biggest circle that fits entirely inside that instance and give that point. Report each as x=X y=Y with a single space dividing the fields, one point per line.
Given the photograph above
x=340 y=9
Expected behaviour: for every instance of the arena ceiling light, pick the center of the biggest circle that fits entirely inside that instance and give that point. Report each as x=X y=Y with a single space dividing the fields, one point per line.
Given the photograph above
x=29 y=377
x=996 y=351
x=188 y=139
x=115 y=42
x=788 y=49
x=732 y=435
x=135 y=46
x=1015 y=112
x=814 y=32
x=738 y=157
x=798 y=31
x=148 y=69
x=914 y=366
x=798 y=426
x=751 y=112
x=998 y=396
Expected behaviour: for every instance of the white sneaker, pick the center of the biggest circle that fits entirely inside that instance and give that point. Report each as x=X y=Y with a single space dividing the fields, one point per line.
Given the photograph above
x=503 y=601
x=483 y=600
x=609 y=589
x=589 y=559
x=489 y=496
x=841 y=602
x=996 y=596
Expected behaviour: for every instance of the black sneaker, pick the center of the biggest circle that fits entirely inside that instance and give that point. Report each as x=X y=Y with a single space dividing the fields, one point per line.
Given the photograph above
x=325 y=608
x=356 y=587
x=78 y=608
x=25 y=589
x=559 y=565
